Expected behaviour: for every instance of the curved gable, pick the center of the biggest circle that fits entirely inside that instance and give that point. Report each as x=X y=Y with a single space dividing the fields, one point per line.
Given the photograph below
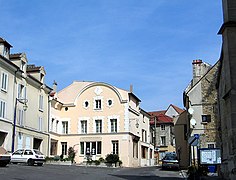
x=117 y=91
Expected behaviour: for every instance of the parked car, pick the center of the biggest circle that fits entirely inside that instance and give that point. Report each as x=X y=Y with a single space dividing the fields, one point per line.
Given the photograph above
x=5 y=157
x=29 y=156
x=170 y=161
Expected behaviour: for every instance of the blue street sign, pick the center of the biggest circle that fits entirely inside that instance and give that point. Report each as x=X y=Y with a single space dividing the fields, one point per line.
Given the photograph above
x=197 y=136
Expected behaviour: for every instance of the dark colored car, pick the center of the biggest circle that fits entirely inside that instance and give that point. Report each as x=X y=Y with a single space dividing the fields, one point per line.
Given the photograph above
x=170 y=161
x=5 y=157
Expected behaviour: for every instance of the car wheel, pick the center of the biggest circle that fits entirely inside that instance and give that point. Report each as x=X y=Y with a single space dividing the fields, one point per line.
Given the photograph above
x=40 y=164
x=14 y=162
x=30 y=162
x=3 y=164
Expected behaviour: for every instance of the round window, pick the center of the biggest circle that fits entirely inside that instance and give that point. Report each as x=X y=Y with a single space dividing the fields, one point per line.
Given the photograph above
x=86 y=104
x=109 y=102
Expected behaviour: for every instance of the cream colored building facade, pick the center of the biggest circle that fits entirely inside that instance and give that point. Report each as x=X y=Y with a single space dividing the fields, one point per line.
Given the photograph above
x=23 y=102
x=98 y=119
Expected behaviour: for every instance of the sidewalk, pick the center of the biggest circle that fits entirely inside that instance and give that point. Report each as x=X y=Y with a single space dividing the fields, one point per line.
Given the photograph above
x=210 y=176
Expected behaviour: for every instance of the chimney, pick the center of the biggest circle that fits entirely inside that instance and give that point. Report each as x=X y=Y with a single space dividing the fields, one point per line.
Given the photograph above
x=54 y=87
x=197 y=70
x=131 y=88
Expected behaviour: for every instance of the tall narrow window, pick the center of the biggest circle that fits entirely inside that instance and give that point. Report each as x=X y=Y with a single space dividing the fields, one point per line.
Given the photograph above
x=64 y=127
x=98 y=104
x=21 y=91
x=40 y=102
x=4 y=81
x=2 y=109
x=113 y=125
x=98 y=126
x=64 y=148
x=81 y=147
x=163 y=127
x=135 y=149
x=20 y=117
x=84 y=127
x=99 y=147
x=115 y=147
x=163 y=141
x=40 y=123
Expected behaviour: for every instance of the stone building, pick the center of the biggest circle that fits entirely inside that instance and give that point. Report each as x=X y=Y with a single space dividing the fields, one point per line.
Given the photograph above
x=200 y=101
x=226 y=87
x=163 y=124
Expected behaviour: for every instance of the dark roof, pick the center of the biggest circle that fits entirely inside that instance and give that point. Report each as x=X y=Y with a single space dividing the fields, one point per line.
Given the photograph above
x=32 y=68
x=15 y=56
x=5 y=42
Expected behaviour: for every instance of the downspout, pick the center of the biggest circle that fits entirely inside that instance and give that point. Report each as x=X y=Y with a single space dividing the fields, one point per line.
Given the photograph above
x=14 y=99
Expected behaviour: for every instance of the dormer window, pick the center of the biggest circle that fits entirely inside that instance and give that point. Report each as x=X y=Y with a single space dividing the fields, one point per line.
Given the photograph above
x=6 y=52
x=22 y=67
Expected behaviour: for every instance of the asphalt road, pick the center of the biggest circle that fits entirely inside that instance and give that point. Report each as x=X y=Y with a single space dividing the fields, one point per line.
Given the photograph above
x=56 y=172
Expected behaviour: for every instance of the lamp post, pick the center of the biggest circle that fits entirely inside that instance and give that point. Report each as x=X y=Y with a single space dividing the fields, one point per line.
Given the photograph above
x=14 y=120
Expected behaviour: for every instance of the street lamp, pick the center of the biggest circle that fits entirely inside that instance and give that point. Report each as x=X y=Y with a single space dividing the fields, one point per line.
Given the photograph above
x=14 y=120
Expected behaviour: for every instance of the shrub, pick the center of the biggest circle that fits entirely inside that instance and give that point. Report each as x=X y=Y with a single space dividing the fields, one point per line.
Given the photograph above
x=56 y=158
x=97 y=162
x=101 y=160
x=112 y=158
x=71 y=154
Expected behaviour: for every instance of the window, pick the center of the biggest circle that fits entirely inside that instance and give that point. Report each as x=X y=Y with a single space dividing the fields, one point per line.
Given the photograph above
x=135 y=149
x=28 y=152
x=211 y=145
x=91 y=148
x=206 y=118
x=6 y=51
x=109 y=103
x=86 y=104
x=57 y=122
x=113 y=125
x=163 y=141
x=64 y=148
x=98 y=104
x=20 y=117
x=99 y=147
x=40 y=102
x=21 y=91
x=115 y=147
x=163 y=127
x=98 y=126
x=144 y=135
x=144 y=152
x=81 y=147
x=64 y=127
x=2 y=109
x=52 y=124
x=40 y=123
x=84 y=127
x=18 y=152
x=4 y=81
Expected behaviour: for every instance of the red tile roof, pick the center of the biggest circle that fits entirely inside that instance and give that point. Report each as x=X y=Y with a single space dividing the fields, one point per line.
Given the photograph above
x=179 y=110
x=161 y=119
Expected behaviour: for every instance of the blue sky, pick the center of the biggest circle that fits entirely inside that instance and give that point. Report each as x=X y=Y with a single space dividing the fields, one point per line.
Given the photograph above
x=147 y=43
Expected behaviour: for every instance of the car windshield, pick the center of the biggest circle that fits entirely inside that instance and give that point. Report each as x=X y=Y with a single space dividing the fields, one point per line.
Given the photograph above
x=170 y=157
x=38 y=152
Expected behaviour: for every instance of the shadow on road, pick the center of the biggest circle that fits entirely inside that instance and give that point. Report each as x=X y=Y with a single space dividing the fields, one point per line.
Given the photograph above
x=133 y=177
